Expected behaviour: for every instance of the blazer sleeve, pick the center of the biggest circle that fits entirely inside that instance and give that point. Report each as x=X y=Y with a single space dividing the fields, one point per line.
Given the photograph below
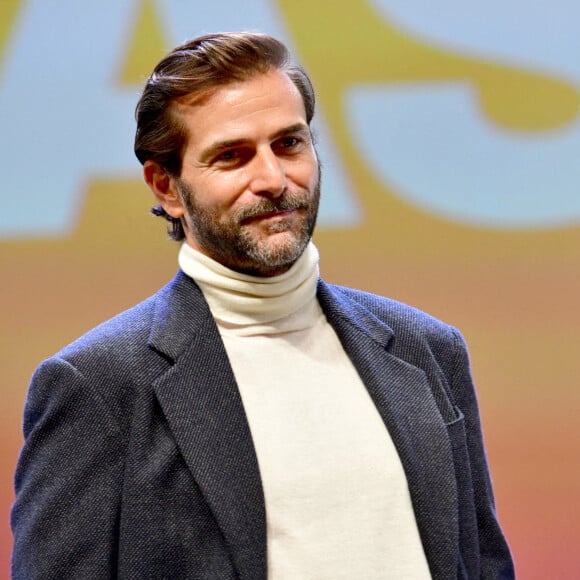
x=68 y=480
x=495 y=558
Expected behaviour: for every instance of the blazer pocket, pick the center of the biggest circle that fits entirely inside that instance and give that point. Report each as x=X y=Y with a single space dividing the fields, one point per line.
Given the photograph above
x=456 y=430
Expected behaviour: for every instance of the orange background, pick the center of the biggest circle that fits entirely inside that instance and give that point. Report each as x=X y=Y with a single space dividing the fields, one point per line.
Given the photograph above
x=514 y=294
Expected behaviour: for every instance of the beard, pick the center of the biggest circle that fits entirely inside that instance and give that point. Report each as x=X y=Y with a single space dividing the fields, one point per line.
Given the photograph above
x=235 y=242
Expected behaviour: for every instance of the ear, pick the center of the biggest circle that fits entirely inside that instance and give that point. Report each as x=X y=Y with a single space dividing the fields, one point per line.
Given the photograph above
x=164 y=187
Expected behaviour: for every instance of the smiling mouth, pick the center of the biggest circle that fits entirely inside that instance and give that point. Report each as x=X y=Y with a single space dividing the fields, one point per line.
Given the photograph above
x=271 y=215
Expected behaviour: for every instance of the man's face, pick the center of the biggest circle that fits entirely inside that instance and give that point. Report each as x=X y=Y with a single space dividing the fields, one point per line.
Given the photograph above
x=250 y=181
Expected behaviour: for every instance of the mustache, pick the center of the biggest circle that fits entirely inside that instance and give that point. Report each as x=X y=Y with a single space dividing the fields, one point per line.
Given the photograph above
x=283 y=203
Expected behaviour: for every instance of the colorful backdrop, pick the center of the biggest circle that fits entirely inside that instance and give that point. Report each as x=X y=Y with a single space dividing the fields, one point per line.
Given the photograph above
x=450 y=138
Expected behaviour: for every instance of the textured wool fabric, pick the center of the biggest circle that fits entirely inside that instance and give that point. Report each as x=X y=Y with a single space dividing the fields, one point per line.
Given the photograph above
x=337 y=500
x=138 y=460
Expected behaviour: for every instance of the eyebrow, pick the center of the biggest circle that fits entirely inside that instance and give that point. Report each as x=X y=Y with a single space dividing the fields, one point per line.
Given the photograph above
x=220 y=146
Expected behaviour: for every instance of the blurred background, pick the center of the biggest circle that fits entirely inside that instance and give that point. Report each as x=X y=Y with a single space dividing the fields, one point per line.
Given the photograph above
x=450 y=139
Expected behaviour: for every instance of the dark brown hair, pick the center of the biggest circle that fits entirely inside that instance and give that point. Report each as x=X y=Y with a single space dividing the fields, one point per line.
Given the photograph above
x=199 y=65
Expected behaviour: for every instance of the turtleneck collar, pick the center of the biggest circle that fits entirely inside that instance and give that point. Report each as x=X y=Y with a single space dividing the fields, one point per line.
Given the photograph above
x=238 y=300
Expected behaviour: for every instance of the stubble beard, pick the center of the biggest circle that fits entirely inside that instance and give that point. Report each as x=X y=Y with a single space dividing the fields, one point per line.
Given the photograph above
x=238 y=246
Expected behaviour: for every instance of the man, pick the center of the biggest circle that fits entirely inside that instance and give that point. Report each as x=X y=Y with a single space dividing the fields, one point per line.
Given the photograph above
x=250 y=420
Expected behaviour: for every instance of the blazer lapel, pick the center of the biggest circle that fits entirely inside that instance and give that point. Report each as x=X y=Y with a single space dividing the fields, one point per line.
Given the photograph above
x=406 y=404
x=201 y=402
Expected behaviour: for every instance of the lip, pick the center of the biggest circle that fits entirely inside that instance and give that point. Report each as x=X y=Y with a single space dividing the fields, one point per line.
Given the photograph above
x=273 y=215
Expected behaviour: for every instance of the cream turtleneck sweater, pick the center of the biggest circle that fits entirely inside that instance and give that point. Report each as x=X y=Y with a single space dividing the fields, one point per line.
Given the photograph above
x=337 y=501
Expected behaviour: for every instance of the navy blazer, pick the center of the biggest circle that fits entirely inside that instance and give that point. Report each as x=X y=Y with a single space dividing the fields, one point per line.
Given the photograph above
x=138 y=460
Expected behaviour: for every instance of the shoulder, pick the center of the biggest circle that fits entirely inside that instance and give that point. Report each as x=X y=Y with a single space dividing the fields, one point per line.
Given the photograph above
x=118 y=350
x=112 y=362
x=124 y=334
x=401 y=317
x=415 y=334
x=114 y=338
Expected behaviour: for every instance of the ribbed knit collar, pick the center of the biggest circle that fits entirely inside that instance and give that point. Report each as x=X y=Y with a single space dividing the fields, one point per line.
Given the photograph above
x=240 y=300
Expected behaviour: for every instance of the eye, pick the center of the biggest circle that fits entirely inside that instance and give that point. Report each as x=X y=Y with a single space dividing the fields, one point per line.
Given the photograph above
x=288 y=144
x=227 y=155
x=231 y=157
x=289 y=141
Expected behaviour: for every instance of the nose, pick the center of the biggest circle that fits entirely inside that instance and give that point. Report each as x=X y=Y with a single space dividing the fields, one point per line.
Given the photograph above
x=268 y=174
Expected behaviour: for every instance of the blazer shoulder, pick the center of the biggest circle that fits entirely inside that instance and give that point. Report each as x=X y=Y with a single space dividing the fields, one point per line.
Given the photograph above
x=114 y=360
x=114 y=336
x=402 y=318
x=134 y=325
x=417 y=337
x=117 y=350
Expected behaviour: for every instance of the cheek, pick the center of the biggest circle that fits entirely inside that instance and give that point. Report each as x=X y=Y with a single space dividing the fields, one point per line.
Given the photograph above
x=226 y=188
x=216 y=194
x=308 y=175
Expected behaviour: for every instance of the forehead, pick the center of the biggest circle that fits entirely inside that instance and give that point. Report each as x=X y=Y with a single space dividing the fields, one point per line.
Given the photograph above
x=240 y=109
